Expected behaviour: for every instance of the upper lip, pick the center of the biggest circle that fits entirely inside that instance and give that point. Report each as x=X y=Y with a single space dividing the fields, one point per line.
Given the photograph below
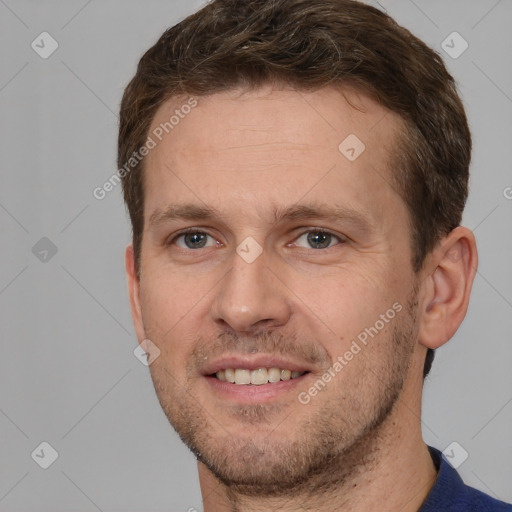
x=253 y=362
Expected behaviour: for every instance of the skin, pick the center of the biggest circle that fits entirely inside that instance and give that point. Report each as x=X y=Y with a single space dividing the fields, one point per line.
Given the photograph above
x=357 y=444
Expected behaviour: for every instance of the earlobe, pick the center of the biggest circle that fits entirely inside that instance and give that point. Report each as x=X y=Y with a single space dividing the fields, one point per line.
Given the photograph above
x=447 y=288
x=134 y=292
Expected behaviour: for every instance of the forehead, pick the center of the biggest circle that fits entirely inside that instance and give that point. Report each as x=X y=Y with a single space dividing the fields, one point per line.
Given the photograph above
x=245 y=148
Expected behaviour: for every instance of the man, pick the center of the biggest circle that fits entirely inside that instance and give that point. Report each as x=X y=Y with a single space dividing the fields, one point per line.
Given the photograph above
x=295 y=173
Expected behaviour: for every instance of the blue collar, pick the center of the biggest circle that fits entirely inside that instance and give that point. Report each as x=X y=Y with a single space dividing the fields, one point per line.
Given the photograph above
x=451 y=494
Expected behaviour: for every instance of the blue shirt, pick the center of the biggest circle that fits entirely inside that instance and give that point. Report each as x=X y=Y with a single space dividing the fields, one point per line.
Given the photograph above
x=451 y=494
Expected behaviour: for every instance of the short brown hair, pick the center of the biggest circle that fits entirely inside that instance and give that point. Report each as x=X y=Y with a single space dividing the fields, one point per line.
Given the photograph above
x=310 y=44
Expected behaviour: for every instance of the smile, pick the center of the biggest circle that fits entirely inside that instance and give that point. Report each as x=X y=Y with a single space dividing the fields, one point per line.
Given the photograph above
x=256 y=377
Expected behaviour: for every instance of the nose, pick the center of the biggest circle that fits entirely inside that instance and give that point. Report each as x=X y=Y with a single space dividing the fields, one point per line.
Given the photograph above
x=251 y=298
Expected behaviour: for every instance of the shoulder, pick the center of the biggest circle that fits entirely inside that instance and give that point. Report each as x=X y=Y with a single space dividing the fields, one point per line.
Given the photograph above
x=451 y=494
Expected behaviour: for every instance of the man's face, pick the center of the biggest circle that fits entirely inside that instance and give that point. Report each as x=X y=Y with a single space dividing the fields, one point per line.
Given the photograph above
x=302 y=252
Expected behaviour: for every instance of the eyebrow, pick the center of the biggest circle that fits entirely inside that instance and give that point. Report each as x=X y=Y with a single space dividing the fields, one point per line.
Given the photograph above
x=297 y=212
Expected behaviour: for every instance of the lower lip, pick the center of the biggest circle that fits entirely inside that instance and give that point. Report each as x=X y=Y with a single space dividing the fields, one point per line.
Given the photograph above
x=250 y=393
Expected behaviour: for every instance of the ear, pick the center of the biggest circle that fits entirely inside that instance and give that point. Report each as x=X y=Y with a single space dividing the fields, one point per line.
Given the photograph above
x=134 y=293
x=446 y=289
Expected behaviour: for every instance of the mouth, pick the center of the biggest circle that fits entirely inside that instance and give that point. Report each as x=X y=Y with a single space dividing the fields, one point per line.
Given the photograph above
x=245 y=379
x=256 y=377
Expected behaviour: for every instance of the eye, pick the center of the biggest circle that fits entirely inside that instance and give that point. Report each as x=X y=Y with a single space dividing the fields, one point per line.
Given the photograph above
x=318 y=239
x=192 y=239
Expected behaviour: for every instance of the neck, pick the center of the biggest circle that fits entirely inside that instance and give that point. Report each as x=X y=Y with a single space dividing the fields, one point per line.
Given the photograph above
x=395 y=473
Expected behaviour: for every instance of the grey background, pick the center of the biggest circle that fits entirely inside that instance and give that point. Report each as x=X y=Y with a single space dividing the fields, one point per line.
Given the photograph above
x=68 y=375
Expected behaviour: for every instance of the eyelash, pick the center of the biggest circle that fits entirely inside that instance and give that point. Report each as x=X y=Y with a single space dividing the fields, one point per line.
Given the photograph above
x=170 y=241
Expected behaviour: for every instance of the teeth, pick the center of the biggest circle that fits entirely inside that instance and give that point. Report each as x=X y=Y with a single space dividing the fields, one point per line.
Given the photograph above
x=274 y=374
x=256 y=377
x=242 y=376
x=259 y=376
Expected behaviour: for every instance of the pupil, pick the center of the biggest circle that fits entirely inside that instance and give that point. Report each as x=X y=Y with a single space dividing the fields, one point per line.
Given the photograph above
x=319 y=238
x=194 y=240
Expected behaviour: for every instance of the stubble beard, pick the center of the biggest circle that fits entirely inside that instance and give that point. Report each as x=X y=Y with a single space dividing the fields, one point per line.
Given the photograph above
x=330 y=446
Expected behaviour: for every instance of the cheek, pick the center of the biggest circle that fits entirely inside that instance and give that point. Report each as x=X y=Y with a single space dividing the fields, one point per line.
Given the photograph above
x=169 y=306
x=345 y=302
x=168 y=295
